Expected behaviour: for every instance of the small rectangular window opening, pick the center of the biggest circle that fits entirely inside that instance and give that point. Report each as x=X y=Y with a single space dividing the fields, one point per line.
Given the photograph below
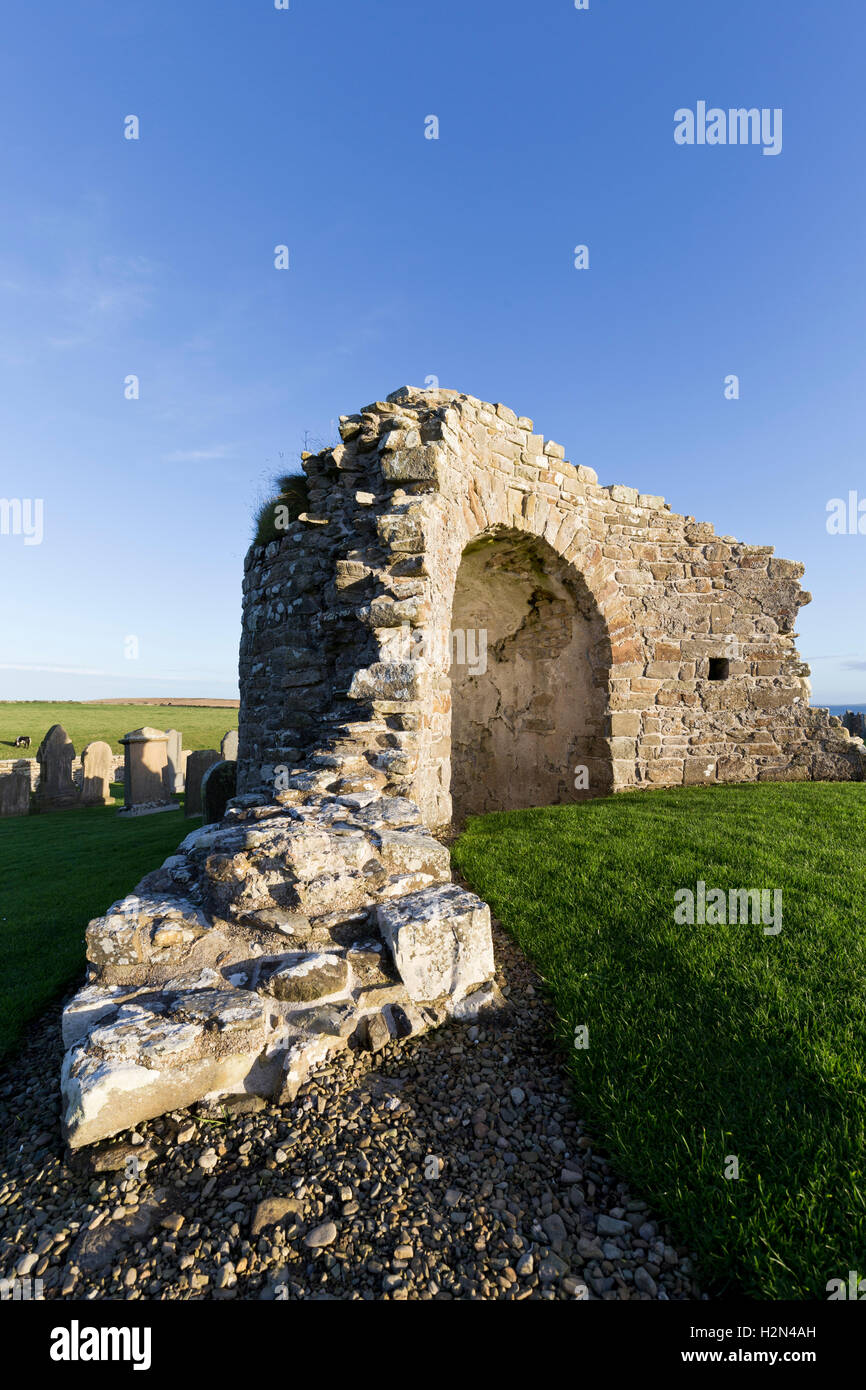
x=720 y=668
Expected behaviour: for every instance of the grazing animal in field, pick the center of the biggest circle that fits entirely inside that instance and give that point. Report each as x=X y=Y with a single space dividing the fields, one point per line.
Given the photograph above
x=22 y=741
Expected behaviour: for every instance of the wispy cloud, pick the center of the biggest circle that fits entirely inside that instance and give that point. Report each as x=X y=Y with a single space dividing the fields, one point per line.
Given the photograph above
x=68 y=301
x=96 y=295
x=124 y=675
x=214 y=451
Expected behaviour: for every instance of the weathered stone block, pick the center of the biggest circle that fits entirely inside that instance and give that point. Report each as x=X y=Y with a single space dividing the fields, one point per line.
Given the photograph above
x=307 y=978
x=440 y=940
x=420 y=464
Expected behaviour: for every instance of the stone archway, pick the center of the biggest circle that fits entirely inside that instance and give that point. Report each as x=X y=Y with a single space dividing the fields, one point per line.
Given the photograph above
x=530 y=666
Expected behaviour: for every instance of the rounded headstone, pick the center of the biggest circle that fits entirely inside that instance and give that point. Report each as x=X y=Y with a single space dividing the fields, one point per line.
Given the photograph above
x=197 y=765
x=97 y=774
x=57 y=789
x=217 y=788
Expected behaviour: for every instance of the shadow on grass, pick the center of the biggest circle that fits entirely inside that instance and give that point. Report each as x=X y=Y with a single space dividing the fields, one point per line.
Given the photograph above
x=60 y=869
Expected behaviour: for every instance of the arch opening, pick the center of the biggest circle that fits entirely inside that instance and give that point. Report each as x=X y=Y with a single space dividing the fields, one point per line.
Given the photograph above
x=530 y=667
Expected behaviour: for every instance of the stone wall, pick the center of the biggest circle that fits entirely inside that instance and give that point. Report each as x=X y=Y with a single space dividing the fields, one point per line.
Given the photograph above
x=622 y=637
x=32 y=766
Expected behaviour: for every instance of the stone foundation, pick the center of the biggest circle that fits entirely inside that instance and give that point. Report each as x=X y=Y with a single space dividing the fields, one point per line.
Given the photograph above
x=269 y=941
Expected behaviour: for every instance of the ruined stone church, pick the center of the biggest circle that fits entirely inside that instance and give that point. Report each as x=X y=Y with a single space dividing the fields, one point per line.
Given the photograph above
x=620 y=637
x=455 y=620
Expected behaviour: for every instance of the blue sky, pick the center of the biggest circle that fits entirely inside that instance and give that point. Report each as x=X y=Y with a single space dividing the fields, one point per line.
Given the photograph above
x=411 y=258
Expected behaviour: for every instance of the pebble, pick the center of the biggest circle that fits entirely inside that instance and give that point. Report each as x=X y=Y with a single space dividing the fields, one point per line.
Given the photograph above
x=575 y=1288
x=322 y=1235
x=611 y=1226
x=455 y=1165
x=554 y=1228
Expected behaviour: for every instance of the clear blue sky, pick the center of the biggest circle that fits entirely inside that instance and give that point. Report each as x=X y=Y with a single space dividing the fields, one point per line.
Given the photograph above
x=411 y=257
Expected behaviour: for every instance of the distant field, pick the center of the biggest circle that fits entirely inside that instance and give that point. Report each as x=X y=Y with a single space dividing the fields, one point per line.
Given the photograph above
x=170 y=700
x=202 y=726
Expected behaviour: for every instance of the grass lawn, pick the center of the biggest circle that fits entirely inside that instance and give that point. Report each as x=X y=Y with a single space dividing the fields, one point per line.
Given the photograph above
x=59 y=869
x=708 y=1041
x=201 y=726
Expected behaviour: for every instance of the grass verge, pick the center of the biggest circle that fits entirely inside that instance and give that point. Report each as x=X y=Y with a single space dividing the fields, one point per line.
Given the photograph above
x=59 y=870
x=708 y=1041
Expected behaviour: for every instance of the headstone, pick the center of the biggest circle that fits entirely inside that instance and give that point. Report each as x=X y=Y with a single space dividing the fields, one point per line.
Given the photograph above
x=97 y=774
x=56 y=790
x=217 y=788
x=15 y=792
x=196 y=767
x=145 y=772
x=175 y=769
x=229 y=746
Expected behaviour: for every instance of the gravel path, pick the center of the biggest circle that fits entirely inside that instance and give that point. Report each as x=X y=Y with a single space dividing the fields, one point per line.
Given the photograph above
x=449 y=1166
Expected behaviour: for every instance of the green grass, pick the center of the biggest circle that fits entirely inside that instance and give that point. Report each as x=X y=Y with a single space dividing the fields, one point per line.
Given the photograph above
x=706 y=1041
x=291 y=494
x=202 y=727
x=60 y=869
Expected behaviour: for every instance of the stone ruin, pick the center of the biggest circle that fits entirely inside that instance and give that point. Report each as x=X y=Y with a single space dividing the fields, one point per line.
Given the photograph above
x=459 y=621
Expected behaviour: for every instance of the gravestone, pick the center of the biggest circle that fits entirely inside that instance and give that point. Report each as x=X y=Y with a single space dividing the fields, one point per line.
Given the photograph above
x=15 y=792
x=229 y=746
x=57 y=789
x=97 y=774
x=145 y=772
x=175 y=767
x=217 y=788
x=196 y=767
